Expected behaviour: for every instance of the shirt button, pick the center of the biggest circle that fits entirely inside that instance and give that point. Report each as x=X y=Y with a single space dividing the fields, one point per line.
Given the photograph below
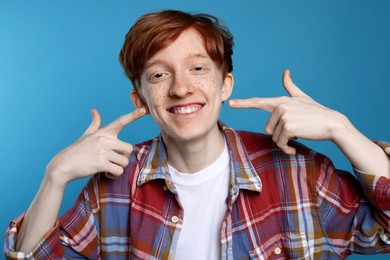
x=165 y=188
x=277 y=251
x=175 y=219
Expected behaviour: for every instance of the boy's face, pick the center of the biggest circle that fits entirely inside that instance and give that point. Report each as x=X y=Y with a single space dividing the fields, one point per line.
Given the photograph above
x=183 y=89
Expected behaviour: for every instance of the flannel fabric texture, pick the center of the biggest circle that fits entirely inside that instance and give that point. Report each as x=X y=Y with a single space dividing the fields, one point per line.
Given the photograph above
x=279 y=206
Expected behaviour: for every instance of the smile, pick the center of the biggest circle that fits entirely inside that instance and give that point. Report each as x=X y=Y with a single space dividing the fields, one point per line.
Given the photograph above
x=186 y=109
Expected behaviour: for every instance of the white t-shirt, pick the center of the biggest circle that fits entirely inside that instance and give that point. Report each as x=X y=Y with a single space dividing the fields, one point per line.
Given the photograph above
x=203 y=196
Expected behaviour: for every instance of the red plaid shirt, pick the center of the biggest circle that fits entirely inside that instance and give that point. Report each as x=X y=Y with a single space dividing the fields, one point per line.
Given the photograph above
x=279 y=205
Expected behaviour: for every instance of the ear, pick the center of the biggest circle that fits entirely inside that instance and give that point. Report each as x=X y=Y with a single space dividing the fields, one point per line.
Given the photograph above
x=227 y=86
x=138 y=100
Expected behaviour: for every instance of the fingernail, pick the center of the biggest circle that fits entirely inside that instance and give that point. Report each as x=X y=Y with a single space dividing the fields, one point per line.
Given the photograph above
x=92 y=112
x=141 y=110
x=232 y=103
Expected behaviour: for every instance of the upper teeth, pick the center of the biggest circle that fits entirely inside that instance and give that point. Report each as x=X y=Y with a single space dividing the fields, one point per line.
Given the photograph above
x=185 y=110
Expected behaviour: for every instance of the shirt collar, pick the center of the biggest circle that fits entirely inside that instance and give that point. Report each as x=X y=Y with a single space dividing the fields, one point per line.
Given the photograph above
x=242 y=172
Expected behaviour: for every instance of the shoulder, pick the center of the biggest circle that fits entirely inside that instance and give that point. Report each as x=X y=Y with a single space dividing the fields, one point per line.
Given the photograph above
x=255 y=142
x=141 y=151
x=265 y=154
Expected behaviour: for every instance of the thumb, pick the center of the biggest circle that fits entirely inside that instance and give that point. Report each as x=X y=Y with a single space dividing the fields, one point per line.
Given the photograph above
x=95 y=124
x=290 y=87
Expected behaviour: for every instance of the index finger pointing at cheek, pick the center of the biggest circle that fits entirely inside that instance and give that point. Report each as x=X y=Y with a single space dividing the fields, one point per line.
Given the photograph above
x=118 y=124
x=268 y=104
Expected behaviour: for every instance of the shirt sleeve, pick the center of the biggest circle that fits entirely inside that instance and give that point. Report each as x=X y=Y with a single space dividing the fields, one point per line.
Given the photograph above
x=74 y=235
x=376 y=189
x=355 y=213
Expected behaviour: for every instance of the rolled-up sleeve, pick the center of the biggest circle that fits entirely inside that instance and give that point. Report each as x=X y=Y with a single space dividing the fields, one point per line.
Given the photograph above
x=354 y=212
x=48 y=247
x=74 y=235
x=376 y=189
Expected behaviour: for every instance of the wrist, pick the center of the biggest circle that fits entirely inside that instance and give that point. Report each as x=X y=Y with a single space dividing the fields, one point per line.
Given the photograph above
x=340 y=129
x=55 y=177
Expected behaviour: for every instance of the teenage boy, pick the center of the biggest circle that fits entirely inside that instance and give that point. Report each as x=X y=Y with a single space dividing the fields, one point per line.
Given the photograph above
x=201 y=190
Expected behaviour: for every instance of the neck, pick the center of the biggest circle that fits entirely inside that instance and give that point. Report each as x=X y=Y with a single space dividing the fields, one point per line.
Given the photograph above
x=191 y=156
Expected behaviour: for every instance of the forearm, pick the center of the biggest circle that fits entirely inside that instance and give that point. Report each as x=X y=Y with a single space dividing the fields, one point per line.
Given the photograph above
x=41 y=215
x=364 y=154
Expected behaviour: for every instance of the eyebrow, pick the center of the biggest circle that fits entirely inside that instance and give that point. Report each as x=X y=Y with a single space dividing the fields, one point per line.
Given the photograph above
x=154 y=62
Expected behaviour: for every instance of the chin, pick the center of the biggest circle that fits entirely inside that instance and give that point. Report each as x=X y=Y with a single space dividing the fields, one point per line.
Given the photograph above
x=188 y=133
x=185 y=134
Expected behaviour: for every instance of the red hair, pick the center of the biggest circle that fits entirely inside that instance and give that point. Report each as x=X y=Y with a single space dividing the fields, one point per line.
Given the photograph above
x=154 y=31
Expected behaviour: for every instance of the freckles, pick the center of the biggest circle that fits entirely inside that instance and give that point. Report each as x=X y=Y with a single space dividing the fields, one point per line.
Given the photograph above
x=157 y=99
x=206 y=83
x=213 y=84
x=210 y=84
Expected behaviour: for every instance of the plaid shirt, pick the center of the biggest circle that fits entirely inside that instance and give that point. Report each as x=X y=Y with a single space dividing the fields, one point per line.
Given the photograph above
x=279 y=206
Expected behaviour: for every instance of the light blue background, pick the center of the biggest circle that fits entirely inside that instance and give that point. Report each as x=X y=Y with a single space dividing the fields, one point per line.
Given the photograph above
x=59 y=59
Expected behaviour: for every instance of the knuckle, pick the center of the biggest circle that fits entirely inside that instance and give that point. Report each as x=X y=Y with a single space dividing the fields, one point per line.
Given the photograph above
x=125 y=161
x=279 y=110
x=284 y=119
x=281 y=144
x=284 y=99
x=122 y=161
x=100 y=139
x=100 y=153
x=284 y=107
x=101 y=162
x=118 y=171
x=286 y=150
x=128 y=148
x=288 y=127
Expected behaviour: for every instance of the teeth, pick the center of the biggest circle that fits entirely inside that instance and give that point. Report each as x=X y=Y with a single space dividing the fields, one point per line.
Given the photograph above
x=186 y=110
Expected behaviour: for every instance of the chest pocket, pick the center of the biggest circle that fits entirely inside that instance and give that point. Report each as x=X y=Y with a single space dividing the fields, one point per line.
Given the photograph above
x=291 y=245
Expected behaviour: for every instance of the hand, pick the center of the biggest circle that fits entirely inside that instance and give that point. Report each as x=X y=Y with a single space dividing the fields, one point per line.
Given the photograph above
x=97 y=150
x=297 y=116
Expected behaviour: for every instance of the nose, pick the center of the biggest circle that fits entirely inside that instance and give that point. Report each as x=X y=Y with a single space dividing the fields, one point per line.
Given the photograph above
x=180 y=87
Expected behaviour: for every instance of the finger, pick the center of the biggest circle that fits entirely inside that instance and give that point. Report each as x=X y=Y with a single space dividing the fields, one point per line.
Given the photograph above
x=118 y=124
x=276 y=131
x=268 y=104
x=290 y=87
x=279 y=116
x=118 y=159
x=95 y=124
x=113 y=170
x=282 y=142
x=282 y=136
x=277 y=134
x=122 y=148
x=272 y=122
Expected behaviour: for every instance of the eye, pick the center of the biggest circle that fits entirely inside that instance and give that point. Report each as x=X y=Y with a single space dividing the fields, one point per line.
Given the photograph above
x=199 y=70
x=158 y=75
